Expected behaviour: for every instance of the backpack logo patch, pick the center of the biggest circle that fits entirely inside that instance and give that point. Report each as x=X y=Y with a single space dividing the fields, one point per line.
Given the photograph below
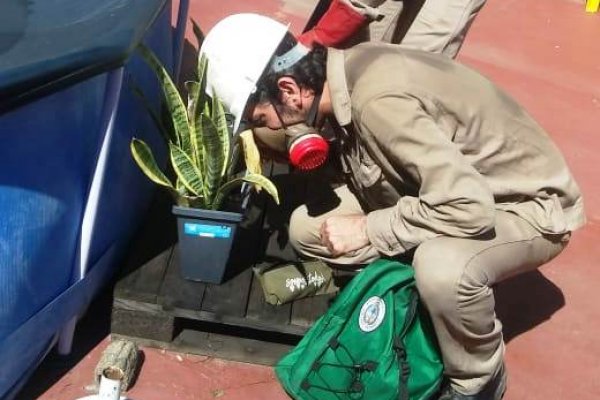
x=371 y=314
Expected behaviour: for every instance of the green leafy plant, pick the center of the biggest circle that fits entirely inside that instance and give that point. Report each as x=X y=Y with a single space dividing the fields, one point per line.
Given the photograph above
x=201 y=153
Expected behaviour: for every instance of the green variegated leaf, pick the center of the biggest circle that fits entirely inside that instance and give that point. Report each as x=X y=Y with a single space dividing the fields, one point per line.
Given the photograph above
x=200 y=114
x=167 y=134
x=220 y=121
x=173 y=99
x=193 y=89
x=233 y=162
x=251 y=153
x=206 y=108
x=202 y=78
x=214 y=160
x=190 y=201
x=180 y=187
x=145 y=160
x=255 y=179
x=189 y=175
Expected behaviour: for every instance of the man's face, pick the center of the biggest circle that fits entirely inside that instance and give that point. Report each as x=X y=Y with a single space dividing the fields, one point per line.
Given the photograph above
x=265 y=115
x=292 y=107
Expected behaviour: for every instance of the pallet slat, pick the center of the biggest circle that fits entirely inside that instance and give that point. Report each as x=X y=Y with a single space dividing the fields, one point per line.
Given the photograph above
x=306 y=311
x=151 y=325
x=176 y=291
x=229 y=298
x=143 y=283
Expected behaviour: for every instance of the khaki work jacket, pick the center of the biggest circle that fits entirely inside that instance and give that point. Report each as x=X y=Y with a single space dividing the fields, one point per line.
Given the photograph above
x=433 y=148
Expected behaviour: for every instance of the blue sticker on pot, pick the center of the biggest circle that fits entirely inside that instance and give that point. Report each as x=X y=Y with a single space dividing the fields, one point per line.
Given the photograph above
x=211 y=231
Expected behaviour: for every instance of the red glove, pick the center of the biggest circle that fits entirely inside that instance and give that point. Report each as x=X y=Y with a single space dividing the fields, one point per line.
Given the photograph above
x=338 y=24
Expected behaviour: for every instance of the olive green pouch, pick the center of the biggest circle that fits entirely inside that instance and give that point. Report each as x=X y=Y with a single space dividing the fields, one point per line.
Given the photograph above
x=291 y=281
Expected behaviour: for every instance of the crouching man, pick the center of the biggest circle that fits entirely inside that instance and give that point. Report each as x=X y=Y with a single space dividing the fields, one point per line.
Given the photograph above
x=437 y=160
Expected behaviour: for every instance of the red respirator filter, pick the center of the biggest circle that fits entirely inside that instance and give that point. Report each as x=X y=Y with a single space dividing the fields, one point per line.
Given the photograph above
x=308 y=152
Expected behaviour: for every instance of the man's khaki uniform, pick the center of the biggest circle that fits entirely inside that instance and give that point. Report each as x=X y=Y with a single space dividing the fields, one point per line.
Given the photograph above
x=443 y=161
x=439 y=27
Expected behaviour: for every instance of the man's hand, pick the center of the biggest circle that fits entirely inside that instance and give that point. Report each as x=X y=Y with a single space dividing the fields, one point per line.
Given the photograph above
x=344 y=234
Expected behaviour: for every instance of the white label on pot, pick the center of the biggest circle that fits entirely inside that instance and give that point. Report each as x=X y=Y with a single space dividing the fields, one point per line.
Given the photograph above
x=211 y=231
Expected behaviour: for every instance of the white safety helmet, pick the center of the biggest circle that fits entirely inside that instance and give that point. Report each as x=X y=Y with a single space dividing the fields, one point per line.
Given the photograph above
x=238 y=49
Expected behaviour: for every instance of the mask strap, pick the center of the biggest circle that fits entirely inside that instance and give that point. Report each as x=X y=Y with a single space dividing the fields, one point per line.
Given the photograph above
x=311 y=117
x=283 y=124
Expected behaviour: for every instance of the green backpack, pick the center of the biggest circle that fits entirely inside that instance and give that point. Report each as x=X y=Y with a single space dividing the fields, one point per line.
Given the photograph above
x=375 y=342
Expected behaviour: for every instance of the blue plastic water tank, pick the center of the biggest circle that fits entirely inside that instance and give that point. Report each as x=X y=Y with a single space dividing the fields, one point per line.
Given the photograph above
x=70 y=193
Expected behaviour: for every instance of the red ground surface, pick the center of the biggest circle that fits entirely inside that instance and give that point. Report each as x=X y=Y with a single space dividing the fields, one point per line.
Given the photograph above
x=545 y=53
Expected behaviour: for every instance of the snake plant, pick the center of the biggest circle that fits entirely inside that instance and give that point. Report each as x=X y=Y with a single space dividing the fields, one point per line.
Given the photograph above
x=201 y=153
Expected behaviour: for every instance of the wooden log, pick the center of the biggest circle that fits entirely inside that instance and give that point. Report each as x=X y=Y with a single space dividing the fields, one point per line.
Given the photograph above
x=120 y=358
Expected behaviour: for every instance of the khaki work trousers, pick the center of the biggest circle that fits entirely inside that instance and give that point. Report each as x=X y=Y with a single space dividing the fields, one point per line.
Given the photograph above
x=439 y=27
x=454 y=277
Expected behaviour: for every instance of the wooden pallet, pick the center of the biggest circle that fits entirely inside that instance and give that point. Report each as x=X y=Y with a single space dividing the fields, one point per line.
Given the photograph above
x=155 y=306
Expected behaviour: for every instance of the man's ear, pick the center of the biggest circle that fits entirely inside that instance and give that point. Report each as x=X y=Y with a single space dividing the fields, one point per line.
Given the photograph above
x=288 y=89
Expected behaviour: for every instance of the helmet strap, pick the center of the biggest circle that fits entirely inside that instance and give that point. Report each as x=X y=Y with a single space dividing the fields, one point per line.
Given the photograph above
x=289 y=58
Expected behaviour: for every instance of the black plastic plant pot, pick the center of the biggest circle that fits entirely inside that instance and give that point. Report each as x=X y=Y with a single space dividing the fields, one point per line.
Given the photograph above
x=205 y=242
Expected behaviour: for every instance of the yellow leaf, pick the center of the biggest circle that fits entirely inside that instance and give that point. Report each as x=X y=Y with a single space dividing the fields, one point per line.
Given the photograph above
x=251 y=153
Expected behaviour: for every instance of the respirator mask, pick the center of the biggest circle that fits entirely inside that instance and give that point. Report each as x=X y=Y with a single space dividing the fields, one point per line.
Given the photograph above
x=305 y=147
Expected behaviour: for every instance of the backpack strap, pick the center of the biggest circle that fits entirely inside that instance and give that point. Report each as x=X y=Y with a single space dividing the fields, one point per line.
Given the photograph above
x=355 y=369
x=400 y=349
